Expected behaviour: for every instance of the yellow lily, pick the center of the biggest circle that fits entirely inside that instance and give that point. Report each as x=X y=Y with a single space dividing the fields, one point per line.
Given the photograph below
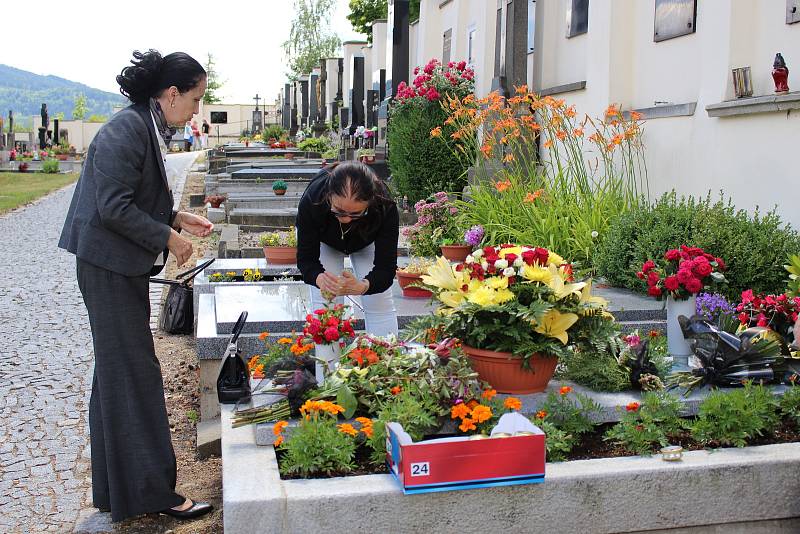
x=442 y=275
x=555 y=324
x=452 y=299
x=558 y=286
x=589 y=300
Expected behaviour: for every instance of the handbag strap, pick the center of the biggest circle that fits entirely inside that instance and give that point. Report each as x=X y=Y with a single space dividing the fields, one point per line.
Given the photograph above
x=165 y=281
x=194 y=271
x=237 y=328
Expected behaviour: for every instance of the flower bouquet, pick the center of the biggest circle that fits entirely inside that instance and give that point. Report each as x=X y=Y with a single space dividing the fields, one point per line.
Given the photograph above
x=776 y=312
x=512 y=305
x=329 y=328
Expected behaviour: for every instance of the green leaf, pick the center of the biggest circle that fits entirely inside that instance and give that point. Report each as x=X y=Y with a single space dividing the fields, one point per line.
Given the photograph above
x=346 y=399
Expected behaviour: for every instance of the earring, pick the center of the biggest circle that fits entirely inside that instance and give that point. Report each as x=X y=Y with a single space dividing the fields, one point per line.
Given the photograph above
x=172 y=104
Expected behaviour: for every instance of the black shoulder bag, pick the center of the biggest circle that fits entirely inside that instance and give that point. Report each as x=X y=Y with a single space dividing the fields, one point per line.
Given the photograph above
x=177 y=313
x=233 y=382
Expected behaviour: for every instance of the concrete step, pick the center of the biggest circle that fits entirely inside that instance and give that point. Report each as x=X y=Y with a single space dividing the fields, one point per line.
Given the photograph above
x=263 y=216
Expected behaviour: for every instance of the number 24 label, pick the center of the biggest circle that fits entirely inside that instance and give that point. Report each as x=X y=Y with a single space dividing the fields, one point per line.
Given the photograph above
x=420 y=469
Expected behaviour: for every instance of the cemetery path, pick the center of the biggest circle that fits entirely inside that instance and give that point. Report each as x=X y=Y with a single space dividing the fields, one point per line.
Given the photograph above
x=46 y=368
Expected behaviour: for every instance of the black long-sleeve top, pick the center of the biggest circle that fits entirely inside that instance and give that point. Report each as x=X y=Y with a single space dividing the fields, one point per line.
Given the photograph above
x=316 y=224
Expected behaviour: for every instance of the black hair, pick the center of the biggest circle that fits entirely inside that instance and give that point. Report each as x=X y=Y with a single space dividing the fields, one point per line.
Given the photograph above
x=150 y=73
x=361 y=182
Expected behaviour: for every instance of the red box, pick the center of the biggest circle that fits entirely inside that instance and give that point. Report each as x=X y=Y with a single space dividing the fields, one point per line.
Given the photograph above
x=464 y=463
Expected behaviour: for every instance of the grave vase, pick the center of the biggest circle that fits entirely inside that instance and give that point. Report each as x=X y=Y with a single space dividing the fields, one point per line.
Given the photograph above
x=327 y=359
x=677 y=345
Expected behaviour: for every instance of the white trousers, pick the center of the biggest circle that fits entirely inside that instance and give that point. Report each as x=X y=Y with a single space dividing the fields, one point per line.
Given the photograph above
x=380 y=315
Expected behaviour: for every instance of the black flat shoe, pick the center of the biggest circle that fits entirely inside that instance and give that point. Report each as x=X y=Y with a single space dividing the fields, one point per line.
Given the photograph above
x=195 y=510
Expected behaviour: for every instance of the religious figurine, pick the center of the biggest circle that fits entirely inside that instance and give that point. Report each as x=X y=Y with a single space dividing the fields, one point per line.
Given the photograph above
x=780 y=74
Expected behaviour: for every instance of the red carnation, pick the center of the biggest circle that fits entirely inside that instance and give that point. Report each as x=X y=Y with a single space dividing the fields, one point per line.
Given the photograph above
x=541 y=255
x=654 y=291
x=528 y=257
x=331 y=333
x=694 y=285
x=652 y=278
x=332 y=321
x=671 y=283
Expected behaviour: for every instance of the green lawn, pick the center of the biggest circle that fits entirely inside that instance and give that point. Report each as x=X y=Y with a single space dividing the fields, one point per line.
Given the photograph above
x=17 y=189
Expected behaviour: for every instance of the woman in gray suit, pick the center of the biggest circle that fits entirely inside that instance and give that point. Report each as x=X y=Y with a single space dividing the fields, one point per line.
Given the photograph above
x=121 y=226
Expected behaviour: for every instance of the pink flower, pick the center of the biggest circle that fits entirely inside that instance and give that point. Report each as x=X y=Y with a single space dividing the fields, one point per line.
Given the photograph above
x=432 y=94
x=461 y=65
x=672 y=255
x=632 y=340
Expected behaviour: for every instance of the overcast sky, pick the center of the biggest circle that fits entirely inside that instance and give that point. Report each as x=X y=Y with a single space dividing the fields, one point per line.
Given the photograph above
x=89 y=41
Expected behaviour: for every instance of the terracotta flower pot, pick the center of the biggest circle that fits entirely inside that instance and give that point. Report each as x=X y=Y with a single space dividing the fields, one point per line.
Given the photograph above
x=456 y=252
x=505 y=372
x=281 y=255
x=404 y=279
x=279 y=192
x=61 y=157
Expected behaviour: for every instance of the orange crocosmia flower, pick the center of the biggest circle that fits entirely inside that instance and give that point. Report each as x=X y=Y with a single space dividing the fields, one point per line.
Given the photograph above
x=456 y=135
x=617 y=139
x=570 y=112
x=467 y=425
x=531 y=197
x=263 y=335
x=577 y=132
x=396 y=390
x=541 y=414
x=502 y=186
x=436 y=132
x=481 y=413
x=512 y=403
x=565 y=390
x=471 y=404
x=521 y=89
x=488 y=393
x=635 y=116
x=347 y=428
x=278 y=427
x=508 y=158
x=561 y=134
x=278 y=441
x=548 y=143
x=459 y=411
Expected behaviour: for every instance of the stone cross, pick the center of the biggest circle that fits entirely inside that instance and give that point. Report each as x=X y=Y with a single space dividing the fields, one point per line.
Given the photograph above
x=511 y=46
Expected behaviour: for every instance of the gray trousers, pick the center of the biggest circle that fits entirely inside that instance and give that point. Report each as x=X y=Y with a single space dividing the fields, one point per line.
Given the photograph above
x=133 y=463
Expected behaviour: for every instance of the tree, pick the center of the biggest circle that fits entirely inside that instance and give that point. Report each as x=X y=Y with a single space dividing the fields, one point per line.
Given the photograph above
x=310 y=37
x=364 y=12
x=212 y=82
x=80 y=109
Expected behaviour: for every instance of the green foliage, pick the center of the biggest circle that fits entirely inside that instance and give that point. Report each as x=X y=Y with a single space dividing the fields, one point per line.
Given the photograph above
x=80 y=109
x=790 y=403
x=570 y=411
x=50 y=166
x=644 y=426
x=364 y=12
x=793 y=285
x=593 y=361
x=318 y=447
x=273 y=131
x=193 y=416
x=59 y=116
x=213 y=83
x=558 y=443
x=733 y=417
x=278 y=184
x=314 y=144
x=279 y=239
x=310 y=36
x=421 y=166
x=754 y=247
x=417 y=414
x=97 y=118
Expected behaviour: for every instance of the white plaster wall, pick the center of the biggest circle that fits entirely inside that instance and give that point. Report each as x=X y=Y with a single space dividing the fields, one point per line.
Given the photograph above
x=413 y=40
x=565 y=59
x=368 y=62
x=331 y=84
x=378 y=51
x=349 y=49
x=429 y=32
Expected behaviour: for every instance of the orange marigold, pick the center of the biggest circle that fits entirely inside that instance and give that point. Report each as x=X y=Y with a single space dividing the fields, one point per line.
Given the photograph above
x=471 y=404
x=467 y=425
x=347 y=428
x=459 y=411
x=632 y=406
x=541 y=414
x=263 y=335
x=481 y=413
x=285 y=341
x=396 y=390
x=364 y=421
x=278 y=427
x=513 y=403
x=565 y=390
x=488 y=393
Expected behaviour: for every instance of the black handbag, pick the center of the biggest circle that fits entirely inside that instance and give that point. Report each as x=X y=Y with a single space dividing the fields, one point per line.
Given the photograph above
x=233 y=382
x=177 y=313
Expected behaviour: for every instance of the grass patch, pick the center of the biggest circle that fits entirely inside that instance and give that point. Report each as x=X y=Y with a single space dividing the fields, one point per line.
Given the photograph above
x=17 y=188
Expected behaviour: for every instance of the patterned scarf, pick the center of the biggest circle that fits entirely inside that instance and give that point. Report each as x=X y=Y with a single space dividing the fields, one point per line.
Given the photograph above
x=164 y=129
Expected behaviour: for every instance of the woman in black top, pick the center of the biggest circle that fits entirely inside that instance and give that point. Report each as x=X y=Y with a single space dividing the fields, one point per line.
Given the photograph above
x=347 y=210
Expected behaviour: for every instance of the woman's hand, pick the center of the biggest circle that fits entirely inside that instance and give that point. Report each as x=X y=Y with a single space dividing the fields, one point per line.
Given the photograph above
x=349 y=285
x=194 y=224
x=327 y=284
x=180 y=247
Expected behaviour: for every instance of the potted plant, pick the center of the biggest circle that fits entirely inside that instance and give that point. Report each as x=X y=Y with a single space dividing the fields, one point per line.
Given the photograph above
x=410 y=278
x=365 y=155
x=279 y=187
x=436 y=224
x=513 y=308
x=682 y=274
x=280 y=247
x=23 y=166
x=329 y=328
x=215 y=200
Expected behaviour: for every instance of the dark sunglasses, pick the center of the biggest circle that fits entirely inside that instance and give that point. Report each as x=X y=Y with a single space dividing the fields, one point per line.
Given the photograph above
x=353 y=216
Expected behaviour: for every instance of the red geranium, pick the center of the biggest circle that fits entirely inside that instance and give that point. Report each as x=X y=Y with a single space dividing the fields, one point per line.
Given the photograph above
x=683 y=272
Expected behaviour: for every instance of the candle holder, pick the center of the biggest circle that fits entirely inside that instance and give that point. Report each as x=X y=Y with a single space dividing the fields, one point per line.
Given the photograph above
x=742 y=82
x=672 y=453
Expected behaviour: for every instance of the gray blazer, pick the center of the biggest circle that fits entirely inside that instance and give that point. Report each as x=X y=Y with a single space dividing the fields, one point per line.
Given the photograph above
x=121 y=212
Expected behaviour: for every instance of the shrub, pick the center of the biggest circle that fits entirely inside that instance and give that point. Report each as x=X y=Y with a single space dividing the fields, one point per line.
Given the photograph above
x=421 y=165
x=558 y=443
x=278 y=184
x=314 y=144
x=50 y=166
x=570 y=414
x=318 y=446
x=648 y=424
x=273 y=131
x=416 y=415
x=734 y=417
x=790 y=403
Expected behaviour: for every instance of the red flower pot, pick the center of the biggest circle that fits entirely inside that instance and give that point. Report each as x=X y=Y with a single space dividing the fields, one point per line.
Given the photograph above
x=457 y=253
x=61 y=157
x=281 y=255
x=404 y=279
x=505 y=372
x=279 y=192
